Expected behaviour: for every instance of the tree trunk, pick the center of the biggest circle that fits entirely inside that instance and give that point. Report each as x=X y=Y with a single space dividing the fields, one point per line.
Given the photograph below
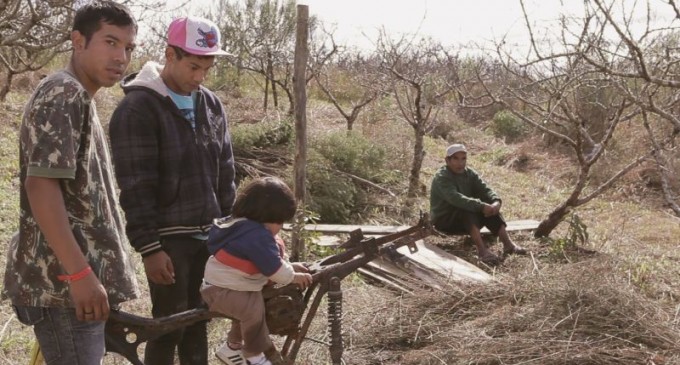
x=552 y=221
x=350 y=124
x=417 y=163
x=291 y=100
x=270 y=76
x=239 y=74
x=6 y=87
x=266 y=92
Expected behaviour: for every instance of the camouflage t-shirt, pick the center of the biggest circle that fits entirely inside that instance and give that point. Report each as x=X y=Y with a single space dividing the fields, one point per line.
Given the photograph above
x=62 y=138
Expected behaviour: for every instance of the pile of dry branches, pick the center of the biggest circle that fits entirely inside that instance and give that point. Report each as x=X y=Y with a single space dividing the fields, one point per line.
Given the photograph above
x=582 y=313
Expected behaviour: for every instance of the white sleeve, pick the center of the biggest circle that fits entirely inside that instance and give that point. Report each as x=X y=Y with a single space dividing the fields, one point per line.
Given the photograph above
x=284 y=275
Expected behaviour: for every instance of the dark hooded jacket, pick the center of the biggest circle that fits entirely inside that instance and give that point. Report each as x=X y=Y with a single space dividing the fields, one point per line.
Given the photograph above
x=173 y=180
x=245 y=256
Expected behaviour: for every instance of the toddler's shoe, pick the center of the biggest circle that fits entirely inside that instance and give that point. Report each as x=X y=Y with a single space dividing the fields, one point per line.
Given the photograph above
x=230 y=356
x=259 y=360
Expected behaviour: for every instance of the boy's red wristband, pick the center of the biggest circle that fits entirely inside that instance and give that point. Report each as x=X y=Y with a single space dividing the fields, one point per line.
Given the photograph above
x=75 y=277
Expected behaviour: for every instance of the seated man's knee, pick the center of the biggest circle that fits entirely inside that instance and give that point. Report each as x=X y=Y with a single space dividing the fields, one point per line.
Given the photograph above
x=494 y=223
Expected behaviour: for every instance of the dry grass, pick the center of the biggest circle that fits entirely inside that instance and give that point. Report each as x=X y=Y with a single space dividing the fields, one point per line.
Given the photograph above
x=579 y=313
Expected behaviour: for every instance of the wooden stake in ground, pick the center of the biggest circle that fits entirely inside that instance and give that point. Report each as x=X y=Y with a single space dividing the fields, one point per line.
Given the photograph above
x=300 y=90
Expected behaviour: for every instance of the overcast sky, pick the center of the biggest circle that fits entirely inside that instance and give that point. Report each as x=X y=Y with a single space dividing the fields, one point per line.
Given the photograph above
x=453 y=22
x=450 y=21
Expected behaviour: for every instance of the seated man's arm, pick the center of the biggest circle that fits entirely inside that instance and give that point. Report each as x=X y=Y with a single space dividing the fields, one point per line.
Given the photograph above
x=447 y=191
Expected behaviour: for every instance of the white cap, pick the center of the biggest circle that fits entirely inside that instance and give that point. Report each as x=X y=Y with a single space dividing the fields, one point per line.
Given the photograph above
x=454 y=148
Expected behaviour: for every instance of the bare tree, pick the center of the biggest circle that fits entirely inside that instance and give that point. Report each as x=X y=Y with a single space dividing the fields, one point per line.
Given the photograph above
x=154 y=17
x=32 y=33
x=261 y=34
x=650 y=77
x=664 y=166
x=421 y=76
x=345 y=77
x=578 y=91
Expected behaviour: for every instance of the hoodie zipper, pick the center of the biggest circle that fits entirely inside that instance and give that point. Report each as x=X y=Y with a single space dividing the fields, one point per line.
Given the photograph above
x=199 y=156
x=199 y=106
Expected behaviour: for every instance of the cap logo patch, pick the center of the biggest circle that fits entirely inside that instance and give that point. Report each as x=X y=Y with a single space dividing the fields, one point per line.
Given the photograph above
x=209 y=39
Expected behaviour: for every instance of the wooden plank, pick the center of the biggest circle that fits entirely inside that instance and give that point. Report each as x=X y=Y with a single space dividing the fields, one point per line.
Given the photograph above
x=387 y=281
x=513 y=226
x=429 y=266
x=447 y=265
x=347 y=228
x=334 y=241
x=413 y=278
x=328 y=241
x=516 y=226
x=522 y=225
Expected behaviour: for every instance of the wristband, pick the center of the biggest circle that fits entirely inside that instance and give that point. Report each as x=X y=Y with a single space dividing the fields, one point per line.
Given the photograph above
x=77 y=276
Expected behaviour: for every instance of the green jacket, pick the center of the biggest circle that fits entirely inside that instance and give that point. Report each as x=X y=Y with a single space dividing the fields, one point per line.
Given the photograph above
x=464 y=191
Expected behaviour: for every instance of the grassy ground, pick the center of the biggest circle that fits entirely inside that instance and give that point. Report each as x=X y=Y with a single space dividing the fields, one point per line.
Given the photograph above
x=554 y=297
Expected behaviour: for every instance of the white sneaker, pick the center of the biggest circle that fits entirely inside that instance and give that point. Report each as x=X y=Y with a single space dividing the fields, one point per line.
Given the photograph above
x=229 y=356
x=266 y=362
x=259 y=360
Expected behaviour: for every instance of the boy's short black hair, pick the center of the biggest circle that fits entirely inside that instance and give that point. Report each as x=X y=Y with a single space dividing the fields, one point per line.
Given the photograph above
x=89 y=17
x=265 y=200
x=180 y=53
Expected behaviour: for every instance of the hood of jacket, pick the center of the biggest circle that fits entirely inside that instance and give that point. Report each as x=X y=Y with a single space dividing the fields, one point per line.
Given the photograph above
x=148 y=77
x=234 y=230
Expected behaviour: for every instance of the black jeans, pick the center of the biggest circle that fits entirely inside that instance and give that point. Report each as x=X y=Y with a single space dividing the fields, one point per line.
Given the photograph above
x=461 y=222
x=188 y=256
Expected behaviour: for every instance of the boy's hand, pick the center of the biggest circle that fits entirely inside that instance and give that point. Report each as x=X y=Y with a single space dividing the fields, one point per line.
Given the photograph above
x=303 y=280
x=299 y=267
x=90 y=299
x=159 y=268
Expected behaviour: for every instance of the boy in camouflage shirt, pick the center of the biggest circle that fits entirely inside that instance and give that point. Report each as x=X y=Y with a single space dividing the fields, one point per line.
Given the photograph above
x=69 y=263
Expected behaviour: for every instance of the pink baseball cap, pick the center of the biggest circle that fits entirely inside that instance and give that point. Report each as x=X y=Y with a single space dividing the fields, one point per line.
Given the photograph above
x=197 y=36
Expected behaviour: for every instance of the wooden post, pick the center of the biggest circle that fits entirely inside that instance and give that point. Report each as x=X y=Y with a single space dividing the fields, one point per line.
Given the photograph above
x=300 y=90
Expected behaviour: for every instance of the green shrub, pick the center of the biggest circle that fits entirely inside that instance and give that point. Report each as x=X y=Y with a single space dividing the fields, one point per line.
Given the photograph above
x=354 y=154
x=507 y=126
x=576 y=238
x=336 y=159
x=331 y=195
x=246 y=137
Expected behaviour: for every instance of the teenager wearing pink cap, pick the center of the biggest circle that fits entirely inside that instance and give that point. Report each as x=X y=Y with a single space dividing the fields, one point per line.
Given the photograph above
x=175 y=169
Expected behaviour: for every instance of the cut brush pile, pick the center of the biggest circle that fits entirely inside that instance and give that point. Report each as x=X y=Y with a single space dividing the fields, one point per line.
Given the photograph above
x=581 y=313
